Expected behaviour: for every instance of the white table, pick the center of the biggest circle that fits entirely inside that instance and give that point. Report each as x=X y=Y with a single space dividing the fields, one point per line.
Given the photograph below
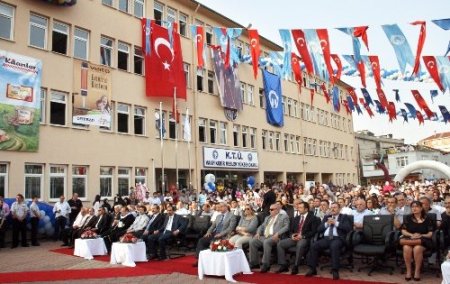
x=222 y=264
x=87 y=248
x=127 y=253
x=445 y=267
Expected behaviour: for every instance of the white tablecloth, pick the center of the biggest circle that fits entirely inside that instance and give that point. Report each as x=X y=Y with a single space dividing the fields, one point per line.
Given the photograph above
x=127 y=253
x=87 y=248
x=445 y=267
x=222 y=264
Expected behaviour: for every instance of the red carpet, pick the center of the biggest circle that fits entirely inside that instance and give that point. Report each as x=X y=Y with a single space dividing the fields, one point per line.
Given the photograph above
x=180 y=265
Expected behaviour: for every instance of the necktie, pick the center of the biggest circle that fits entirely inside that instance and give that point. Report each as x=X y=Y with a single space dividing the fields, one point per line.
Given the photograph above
x=220 y=224
x=330 y=231
x=98 y=222
x=300 y=225
x=267 y=230
x=316 y=211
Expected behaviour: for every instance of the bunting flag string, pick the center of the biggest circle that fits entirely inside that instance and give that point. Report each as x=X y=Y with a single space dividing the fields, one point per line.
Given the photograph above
x=422 y=36
x=255 y=50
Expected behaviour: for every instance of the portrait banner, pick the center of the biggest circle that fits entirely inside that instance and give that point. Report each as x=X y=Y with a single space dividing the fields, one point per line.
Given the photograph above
x=20 y=104
x=92 y=95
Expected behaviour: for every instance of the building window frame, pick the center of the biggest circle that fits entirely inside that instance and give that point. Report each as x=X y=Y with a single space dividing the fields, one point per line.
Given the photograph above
x=223 y=133
x=123 y=118
x=37 y=23
x=60 y=29
x=123 y=181
x=80 y=178
x=106 y=174
x=236 y=130
x=33 y=174
x=213 y=131
x=202 y=137
x=138 y=8
x=123 y=54
x=252 y=137
x=138 y=61
x=183 y=24
x=8 y=13
x=58 y=98
x=81 y=36
x=106 y=51
x=140 y=175
x=57 y=172
x=140 y=118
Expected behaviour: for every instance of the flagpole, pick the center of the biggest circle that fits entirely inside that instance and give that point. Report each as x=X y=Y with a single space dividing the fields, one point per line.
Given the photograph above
x=176 y=134
x=161 y=123
x=189 y=152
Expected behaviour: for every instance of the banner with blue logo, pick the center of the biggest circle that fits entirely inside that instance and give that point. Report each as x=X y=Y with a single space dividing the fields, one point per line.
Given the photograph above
x=274 y=105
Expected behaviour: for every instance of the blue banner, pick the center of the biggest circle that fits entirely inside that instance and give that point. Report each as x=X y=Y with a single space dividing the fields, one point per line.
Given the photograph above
x=443 y=23
x=316 y=53
x=444 y=71
x=366 y=96
x=412 y=110
x=380 y=108
x=336 y=99
x=445 y=113
x=287 y=45
x=401 y=47
x=274 y=105
x=404 y=114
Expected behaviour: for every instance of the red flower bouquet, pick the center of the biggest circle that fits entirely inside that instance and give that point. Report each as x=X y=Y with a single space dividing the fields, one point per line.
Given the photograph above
x=128 y=238
x=221 y=246
x=88 y=234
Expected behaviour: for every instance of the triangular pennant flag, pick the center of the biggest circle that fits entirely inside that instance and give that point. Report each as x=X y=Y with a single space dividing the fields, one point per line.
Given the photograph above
x=444 y=71
x=422 y=104
x=350 y=103
x=392 y=113
x=375 y=63
x=287 y=49
x=432 y=67
x=380 y=108
x=404 y=114
x=362 y=33
x=300 y=42
x=347 y=108
x=443 y=23
x=367 y=107
x=401 y=47
x=336 y=99
x=296 y=69
x=382 y=98
x=338 y=63
x=422 y=36
x=325 y=45
x=325 y=93
x=366 y=96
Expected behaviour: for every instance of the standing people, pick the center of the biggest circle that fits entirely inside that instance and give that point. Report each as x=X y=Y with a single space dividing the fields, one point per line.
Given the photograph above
x=75 y=208
x=19 y=211
x=62 y=211
x=35 y=215
x=96 y=203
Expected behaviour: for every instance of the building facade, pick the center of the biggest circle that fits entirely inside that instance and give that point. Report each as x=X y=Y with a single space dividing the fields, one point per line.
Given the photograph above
x=438 y=141
x=315 y=144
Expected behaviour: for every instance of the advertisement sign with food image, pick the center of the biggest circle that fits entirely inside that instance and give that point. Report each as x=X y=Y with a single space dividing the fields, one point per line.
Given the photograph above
x=92 y=99
x=20 y=86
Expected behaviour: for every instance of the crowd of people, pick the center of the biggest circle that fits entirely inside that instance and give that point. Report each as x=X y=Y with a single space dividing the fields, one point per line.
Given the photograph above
x=264 y=218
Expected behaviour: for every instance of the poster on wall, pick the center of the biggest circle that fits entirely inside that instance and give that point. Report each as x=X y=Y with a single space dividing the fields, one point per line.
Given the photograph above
x=20 y=88
x=92 y=99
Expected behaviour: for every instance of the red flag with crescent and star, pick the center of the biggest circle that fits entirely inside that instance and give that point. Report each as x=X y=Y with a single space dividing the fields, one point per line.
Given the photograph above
x=338 y=63
x=255 y=50
x=367 y=107
x=422 y=103
x=392 y=113
x=164 y=65
x=296 y=69
x=420 y=43
x=325 y=93
x=200 y=42
x=325 y=45
x=362 y=33
x=432 y=67
x=375 y=63
x=300 y=42
x=382 y=98
x=420 y=118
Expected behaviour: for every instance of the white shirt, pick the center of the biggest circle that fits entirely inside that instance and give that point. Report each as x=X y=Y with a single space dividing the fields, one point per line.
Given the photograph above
x=335 y=234
x=78 y=221
x=20 y=210
x=169 y=224
x=139 y=223
x=155 y=201
x=346 y=210
x=271 y=223
x=358 y=217
x=34 y=210
x=63 y=208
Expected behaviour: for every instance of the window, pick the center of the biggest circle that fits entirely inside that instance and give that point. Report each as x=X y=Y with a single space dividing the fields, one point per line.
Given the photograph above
x=210 y=82
x=57 y=181
x=106 y=50
x=286 y=142
x=187 y=76
x=171 y=15
x=43 y=108
x=277 y=141
x=3 y=179
x=81 y=44
x=34 y=181
x=140 y=175
x=401 y=162
x=107 y=2
x=271 y=140
x=183 y=23
x=60 y=37
x=202 y=130
x=253 y=138
x=200 y=74
x=158 y=9
x=123 y=5
x=106 y=181
x=139 y=120
x=223 y=133
x=250 y=89
x=138 y=61
x=243 y=92
x=209 y=35
x=264 y=139
x=6 y=21
x=38 y=31
x=158 y=113
x=123 y=112
x=292 y=142
x=244 y=136
x=139 y=8
x=236 y=135
x=79 y=181
x=289 y=107
x=58 y=108
x=123 y=55
x=297 y=144
x=262 y=100
x=172 y=126
x=213 y=131
x=295 y=108
x=123 y=181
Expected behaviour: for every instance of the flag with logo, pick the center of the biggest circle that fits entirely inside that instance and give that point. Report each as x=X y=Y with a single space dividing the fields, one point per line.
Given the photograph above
x=401 y=47
x=274 y=105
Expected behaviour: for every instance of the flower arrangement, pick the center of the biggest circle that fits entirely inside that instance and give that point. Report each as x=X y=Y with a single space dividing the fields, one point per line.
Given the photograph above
x=128 y=238
x=221 y=246
x=88 y=234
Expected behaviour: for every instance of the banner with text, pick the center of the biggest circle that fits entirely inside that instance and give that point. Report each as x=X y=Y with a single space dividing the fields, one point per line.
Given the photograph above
x=92 y=98
x=20 y=107
x=223 y=158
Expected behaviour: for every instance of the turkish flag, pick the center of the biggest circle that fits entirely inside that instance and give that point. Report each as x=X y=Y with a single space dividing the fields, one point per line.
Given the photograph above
x=325 y=93
x=419 y=117
x=422 y=104
x=352 y=93
x=255 y=50
x=362 y=72
x=338 y=62
x=376 y=70
x=347 y=108
x=432 y=67
x=420 y=43
x=382 y=98
x=200 y=40
x=325 y=45
x=391 y=111
x=367 y=107
x=362 y=33
x=300 y=42
x=296 y=69
x=164 y=66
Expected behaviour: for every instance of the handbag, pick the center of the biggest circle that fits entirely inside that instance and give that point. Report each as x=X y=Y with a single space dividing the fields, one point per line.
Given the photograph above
x=410 y=242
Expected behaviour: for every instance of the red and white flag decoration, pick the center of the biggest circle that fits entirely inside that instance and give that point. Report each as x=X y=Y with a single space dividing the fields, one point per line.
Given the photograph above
x=255 y=50
x=325 y=45
x=296 y=69
x=325 y=93
x=422 y=104
x=422 y=36
x=338 y=63
x=200 y=43
x=382 y=98
x=362 y=33
x=391 y=111
x=432 y=67
x=420 y=117
x=366 y=106
x=376 y=70
x=300 y=42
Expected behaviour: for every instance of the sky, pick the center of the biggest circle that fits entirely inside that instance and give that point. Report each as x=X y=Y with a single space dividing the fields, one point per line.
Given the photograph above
x=268 y=16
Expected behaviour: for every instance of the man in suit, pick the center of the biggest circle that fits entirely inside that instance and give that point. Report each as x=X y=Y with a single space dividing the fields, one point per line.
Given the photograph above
x=103 y=222
x=172 y=226
x=302 y=229
x=156 y=221
x=88 y=221
x=113 y=234
x=268 y=234
x=335 y=228
x=222 y=226
x=269 y=198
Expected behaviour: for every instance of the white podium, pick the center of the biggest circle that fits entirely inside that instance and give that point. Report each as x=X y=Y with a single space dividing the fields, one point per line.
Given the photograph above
x=128 y=253
x=222 y=264
x=87 y=248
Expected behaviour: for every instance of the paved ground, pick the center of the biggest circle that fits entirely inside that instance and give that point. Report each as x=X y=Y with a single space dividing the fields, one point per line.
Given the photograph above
x=41 y=259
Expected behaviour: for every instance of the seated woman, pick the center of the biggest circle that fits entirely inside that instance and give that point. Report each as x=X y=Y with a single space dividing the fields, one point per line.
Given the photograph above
x=417 y=231
x=246 y=228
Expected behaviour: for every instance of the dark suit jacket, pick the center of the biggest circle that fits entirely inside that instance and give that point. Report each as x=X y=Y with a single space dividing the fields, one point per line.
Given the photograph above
x=309 y=226
x=289 y=210
x=127 y=221
x=178 y=223
x=156 y=224
x=91 y=223
x=103 y=225
x=269 y=198
x=344 y=227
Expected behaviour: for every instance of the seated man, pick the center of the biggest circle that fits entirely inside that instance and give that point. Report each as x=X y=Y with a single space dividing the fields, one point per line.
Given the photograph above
x=140 y=223
x=89 y=221
x=335 y=228
x=274 y=227
x=103 y=221
x=172 y=226
x=222 y=226
x=302 y=229
x=390 y=209
x=66 y=234
x=124 y=222
x=359 y=213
